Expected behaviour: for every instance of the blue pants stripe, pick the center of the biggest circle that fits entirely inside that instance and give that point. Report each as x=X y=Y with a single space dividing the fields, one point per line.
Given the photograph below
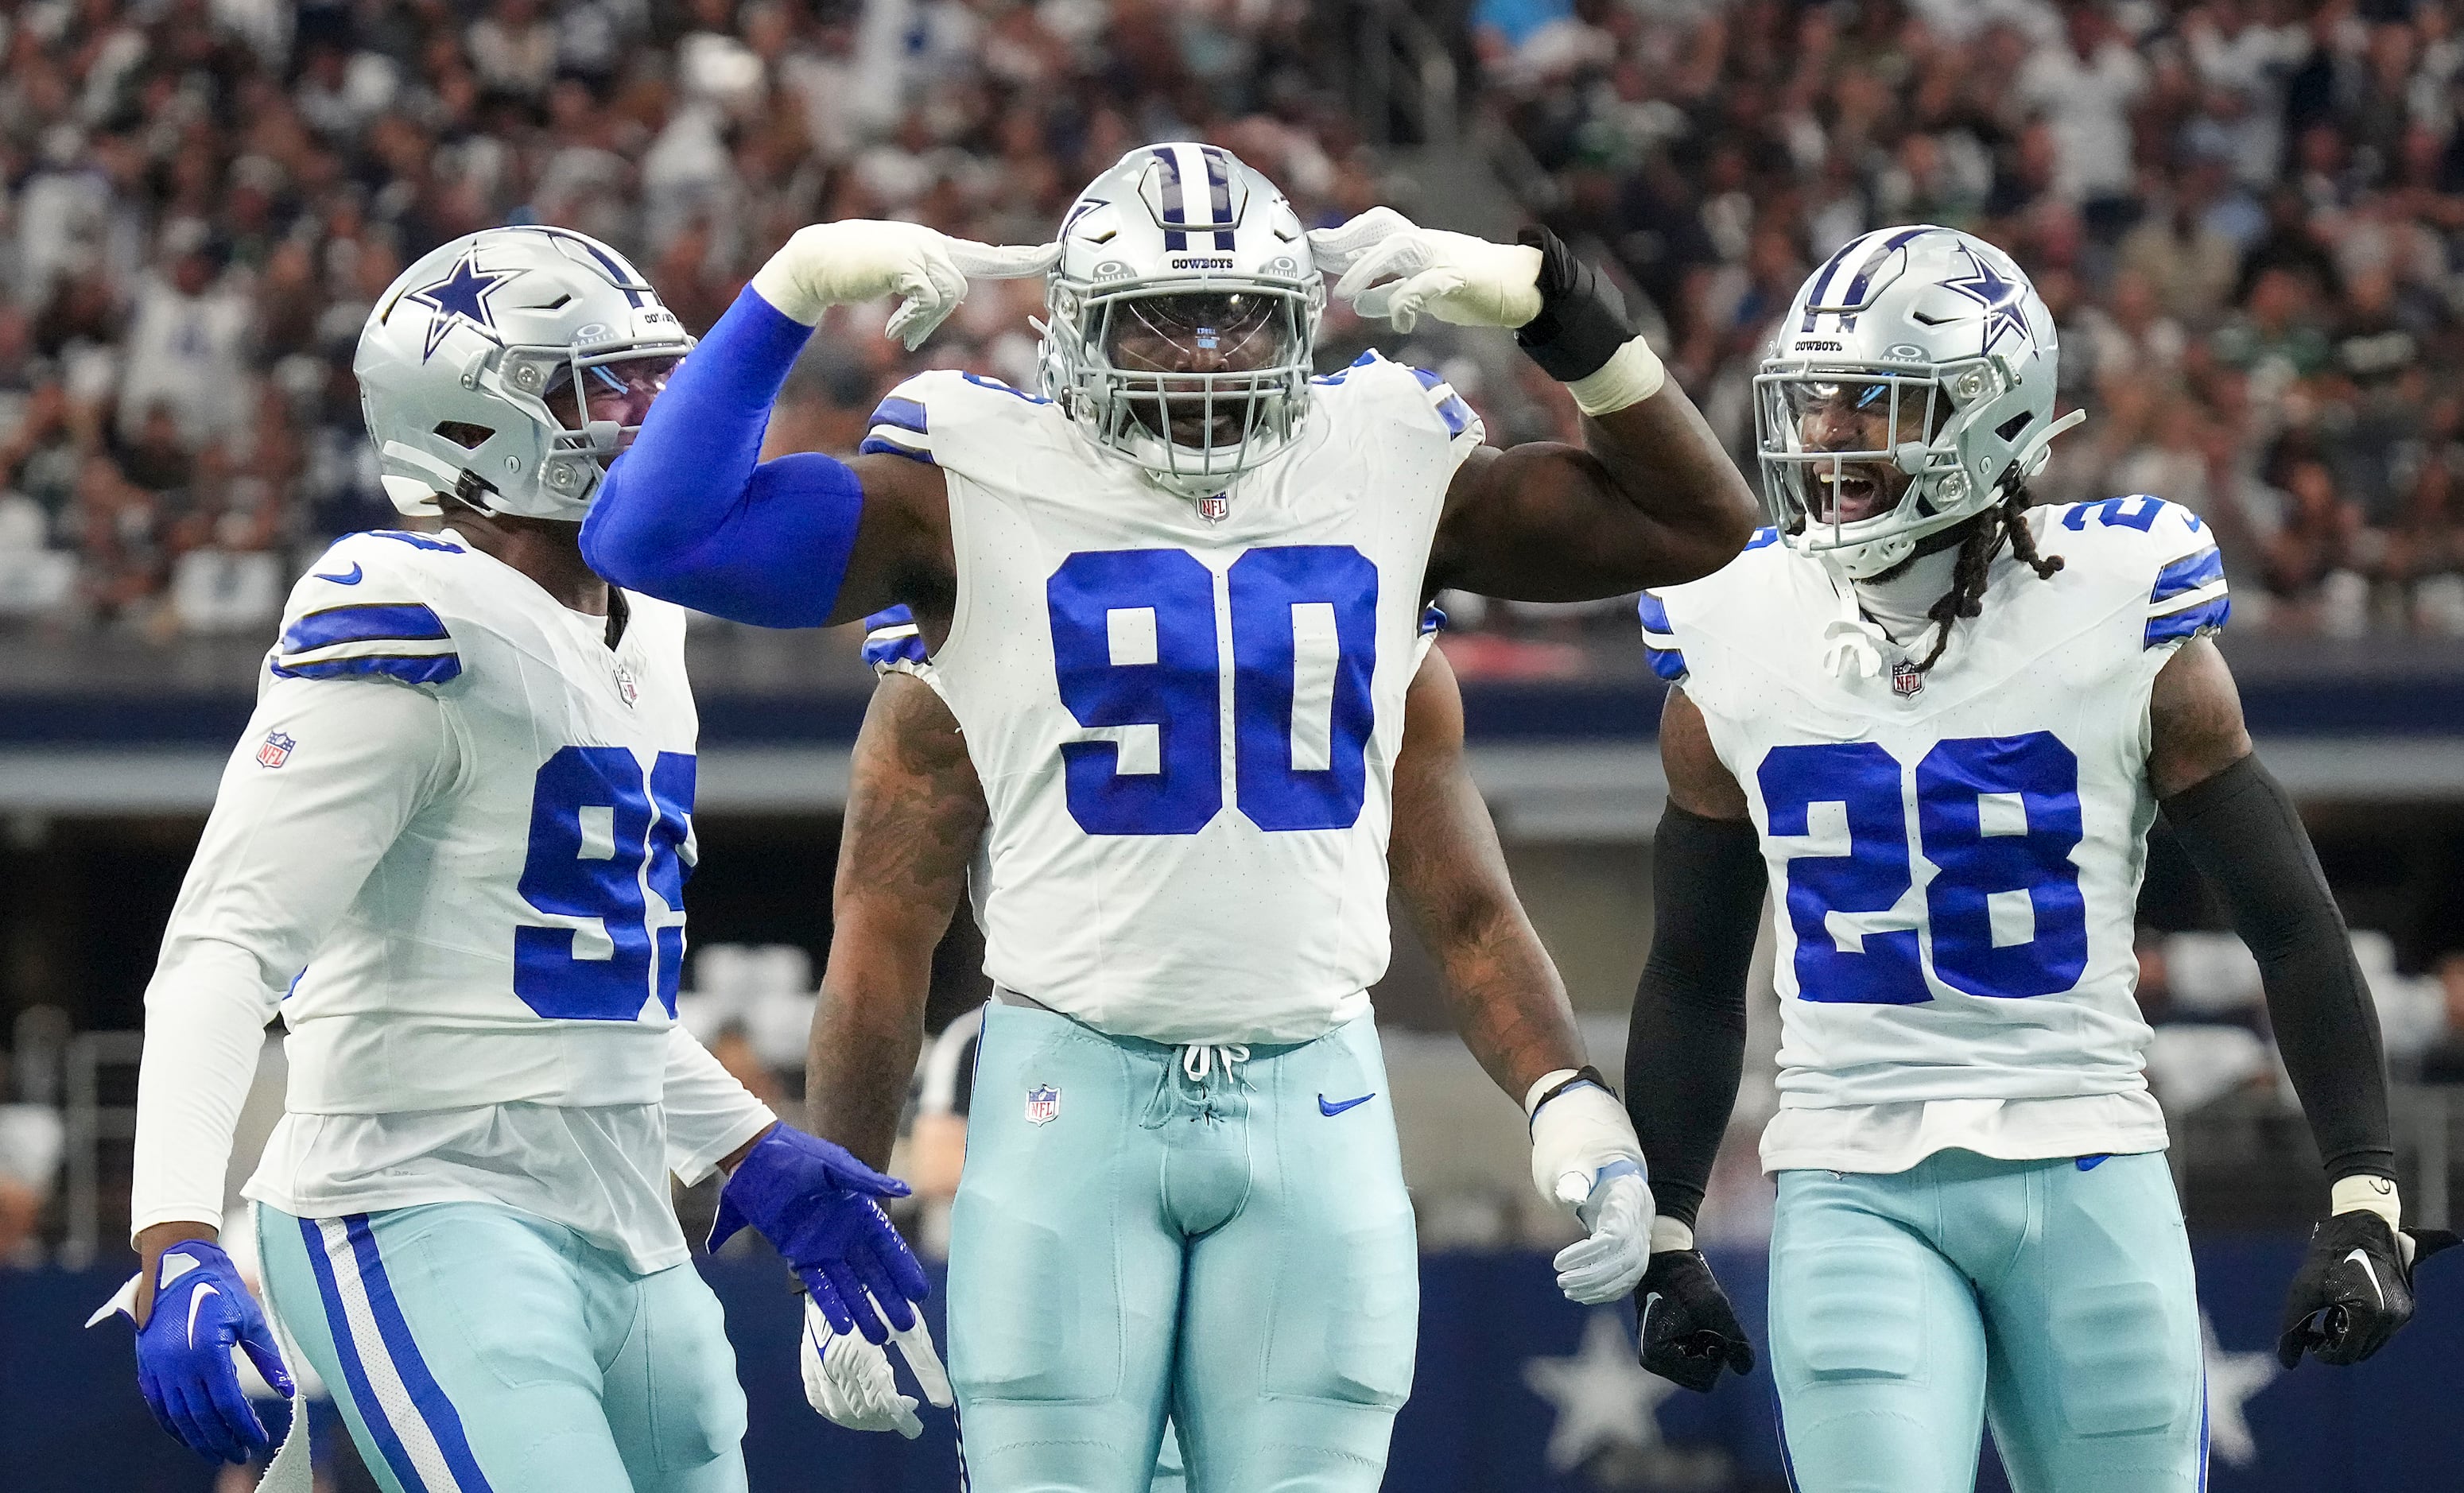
x=355 y=1373
x=434 y=1408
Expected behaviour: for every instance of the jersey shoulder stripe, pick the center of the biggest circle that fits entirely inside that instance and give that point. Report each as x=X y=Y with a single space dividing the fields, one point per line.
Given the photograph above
x=1660 y=639
x=367 y=609
x=893 y=643
x=2140 y=540
x=900 y=428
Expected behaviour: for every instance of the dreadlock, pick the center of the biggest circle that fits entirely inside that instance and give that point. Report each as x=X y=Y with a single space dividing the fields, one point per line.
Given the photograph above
x=1986 y=535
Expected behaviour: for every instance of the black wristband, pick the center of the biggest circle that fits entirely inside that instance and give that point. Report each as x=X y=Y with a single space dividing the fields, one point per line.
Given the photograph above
x=1586 y=1074
x=1582 y=321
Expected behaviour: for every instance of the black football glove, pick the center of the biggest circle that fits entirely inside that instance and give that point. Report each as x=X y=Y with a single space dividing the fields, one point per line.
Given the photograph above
x=2354 y=1289
x=1689 y=1329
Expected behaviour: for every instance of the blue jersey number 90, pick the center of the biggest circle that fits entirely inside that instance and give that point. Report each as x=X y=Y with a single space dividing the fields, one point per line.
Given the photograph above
x=1999 y=817
x=600 y=831
x=1135 y=645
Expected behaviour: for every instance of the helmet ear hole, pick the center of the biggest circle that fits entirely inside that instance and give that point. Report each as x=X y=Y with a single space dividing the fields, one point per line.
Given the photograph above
x=463 y=434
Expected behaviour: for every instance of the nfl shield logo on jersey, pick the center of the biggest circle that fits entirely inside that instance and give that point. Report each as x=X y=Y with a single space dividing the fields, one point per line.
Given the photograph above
x=1216 y=509
x=274 y=749
x=1907 y=679
x=1043 y=1105
x=626 y=686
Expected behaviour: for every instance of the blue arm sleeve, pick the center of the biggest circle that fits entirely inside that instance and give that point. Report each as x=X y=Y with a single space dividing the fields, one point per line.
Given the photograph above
x=692 y=514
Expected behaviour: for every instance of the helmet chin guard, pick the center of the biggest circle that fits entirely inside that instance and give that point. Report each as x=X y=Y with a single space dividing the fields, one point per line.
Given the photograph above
x=482 y=365
x=1909 y=388
x=1181 y=317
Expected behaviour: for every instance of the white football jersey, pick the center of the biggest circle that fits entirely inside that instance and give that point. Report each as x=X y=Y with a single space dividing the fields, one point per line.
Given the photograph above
x=1955 y=856
x=1186 y=725
x=519 y=939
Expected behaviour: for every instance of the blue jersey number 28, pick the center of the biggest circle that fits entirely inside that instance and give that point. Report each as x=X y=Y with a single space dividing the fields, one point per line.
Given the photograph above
x=600 y=831
x=1135 y=645
x=1997 y=816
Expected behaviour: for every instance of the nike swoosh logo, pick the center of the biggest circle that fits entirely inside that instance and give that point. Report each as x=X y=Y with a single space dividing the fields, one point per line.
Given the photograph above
x=1643 y=1329
x=2364 y=1260
x=352 y=579
x=1331 y=1110
x=197 y=1299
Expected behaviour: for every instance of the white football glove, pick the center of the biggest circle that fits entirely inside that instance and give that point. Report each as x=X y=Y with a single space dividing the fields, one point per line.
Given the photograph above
x=860 y=259
x=1585 y=1155
x=1394 y=270
x=850 y=1383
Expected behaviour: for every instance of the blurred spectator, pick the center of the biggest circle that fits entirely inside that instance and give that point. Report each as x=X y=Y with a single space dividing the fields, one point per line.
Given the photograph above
x=30 y=1141
x=2245 y=213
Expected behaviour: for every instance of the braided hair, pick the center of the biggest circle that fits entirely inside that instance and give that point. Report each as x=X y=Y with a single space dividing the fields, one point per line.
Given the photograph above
x=1986 y=534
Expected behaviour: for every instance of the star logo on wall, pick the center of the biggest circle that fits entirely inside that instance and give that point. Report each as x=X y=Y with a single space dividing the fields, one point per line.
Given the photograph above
x=1604 y=1399
x=460 y=298
x=2001 y=296
x=2233 y=1378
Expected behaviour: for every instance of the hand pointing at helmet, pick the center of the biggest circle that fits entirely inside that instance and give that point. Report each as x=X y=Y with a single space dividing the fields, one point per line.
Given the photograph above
x=1390 y=268
x=860 y=259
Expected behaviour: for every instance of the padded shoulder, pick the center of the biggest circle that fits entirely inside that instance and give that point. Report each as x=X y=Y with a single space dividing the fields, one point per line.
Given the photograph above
x=2147 y=549
x=906 y=420
x=1414 y=396
x=368 y=609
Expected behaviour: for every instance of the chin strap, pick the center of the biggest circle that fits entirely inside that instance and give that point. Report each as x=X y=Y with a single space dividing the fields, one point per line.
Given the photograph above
x=2031 y=457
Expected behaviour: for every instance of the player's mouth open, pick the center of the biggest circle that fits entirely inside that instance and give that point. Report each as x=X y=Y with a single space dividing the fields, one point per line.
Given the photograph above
x=1848 y=495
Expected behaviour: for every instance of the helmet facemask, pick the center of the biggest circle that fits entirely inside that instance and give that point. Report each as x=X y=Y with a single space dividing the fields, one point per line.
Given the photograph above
x=1861 y=460
x=1195 y=380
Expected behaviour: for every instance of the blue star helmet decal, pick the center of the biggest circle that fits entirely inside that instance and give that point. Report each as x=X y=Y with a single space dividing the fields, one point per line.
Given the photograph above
x=2000 y=297
x=460 y=297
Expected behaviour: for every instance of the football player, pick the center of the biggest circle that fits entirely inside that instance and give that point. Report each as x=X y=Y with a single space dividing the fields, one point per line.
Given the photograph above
x=451 y=853
x=1172 y=600
x=914 y=825
x=1937 y=723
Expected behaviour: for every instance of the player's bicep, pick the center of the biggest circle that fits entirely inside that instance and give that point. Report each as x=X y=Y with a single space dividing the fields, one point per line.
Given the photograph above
x=1698 y=780
x=901 y=551
x=915 y=810
x=2194 y=720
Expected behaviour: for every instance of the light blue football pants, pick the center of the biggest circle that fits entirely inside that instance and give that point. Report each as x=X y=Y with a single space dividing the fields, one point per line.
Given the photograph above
x=1907 y=1308
x=478 y=1349
x=1165 y=1233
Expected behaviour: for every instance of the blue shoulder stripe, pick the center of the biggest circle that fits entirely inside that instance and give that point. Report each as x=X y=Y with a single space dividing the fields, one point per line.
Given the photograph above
x=905 y=645
x=1654 y=613
x=415 y=668
x=905 y=413
x=1668 y=664
x=2187 y=623
x=1432 y=618
x=2189 y=574
x=1766 y=535
x=404 y=621
x=876 y=446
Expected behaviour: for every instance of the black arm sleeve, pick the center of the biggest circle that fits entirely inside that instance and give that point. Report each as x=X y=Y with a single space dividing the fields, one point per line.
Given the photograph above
x=2240 y=829
x=1687 y=1043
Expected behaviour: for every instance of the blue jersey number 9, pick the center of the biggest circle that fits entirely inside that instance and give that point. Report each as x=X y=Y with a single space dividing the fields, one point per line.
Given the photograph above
x=599 y=832
x=1135 y=645
x=1999 y=817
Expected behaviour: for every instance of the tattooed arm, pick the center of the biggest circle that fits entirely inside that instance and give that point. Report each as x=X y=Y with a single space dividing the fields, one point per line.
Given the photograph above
x=1507 y=1001
x=915 y=814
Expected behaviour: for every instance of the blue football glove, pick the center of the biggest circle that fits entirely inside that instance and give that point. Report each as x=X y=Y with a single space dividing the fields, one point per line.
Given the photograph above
x=184 y=1351
x=815 y=1204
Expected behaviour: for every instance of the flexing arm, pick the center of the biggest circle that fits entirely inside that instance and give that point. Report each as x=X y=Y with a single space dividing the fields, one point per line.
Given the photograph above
x=691 y=513
x=1687 y=1045
x=1450 y=876
x=1648 y=499
x=2240 y=828
x=914 y=815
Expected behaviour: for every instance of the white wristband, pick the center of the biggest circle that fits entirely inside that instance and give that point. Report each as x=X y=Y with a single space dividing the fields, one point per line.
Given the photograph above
x=1667 y=1234
x=1541 y=1085
x=1633 y=374
x=2367 y=1193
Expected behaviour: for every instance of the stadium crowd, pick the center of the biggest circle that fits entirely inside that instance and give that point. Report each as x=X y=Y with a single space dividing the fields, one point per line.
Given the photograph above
x=2241 y=211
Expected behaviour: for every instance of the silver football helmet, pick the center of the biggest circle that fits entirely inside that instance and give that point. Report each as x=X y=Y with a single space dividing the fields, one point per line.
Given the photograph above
x=1909 y=388
x=1182 y=315
x=508 y=367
